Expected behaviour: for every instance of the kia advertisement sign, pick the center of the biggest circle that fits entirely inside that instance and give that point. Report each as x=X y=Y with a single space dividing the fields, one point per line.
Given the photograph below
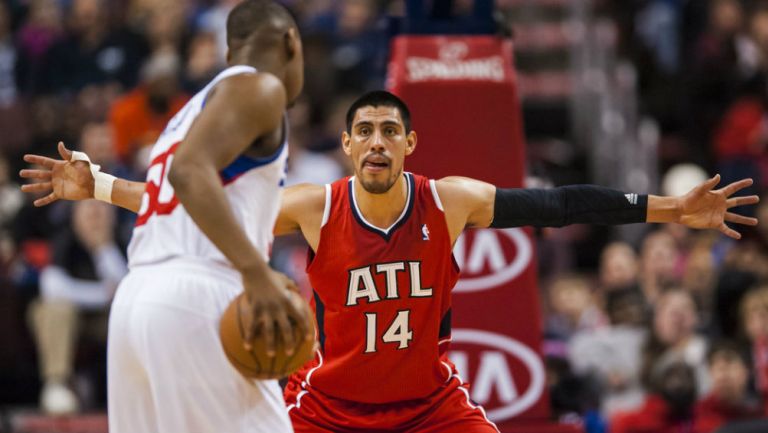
x=488 y=361
x=462 y=92
x=496 y=335
x=497 y=257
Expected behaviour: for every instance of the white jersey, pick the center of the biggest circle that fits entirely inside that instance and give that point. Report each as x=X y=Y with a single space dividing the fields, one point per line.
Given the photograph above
x=164 y=230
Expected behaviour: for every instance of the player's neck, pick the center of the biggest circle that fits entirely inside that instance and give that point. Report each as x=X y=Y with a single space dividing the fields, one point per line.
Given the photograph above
x=264 y=61
x=382 y=210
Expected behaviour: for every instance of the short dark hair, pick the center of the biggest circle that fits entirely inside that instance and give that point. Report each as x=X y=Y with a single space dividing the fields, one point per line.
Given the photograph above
x=728 y=348
x=379 y=98
x=251 y=15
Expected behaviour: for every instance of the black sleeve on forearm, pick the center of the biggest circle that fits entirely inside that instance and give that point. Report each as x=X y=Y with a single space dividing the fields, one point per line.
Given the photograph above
x=573 y=204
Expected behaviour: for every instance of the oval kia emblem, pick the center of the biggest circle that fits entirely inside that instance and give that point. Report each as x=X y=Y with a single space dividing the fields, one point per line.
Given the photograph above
x=521 y=355
x=486 y=261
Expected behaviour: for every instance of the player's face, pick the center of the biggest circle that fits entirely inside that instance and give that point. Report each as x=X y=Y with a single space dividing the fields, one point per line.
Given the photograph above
x=378 y=145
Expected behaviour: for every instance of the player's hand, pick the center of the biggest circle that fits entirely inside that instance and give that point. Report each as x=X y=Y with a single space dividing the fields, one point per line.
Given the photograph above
x=273 y=311
x=58 y=179
x=707 y=208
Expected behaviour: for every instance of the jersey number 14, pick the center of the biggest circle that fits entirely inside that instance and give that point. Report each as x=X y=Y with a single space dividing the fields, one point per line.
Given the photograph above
x=398 y=331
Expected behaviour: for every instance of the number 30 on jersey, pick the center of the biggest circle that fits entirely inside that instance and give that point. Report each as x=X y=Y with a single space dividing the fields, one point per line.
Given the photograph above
x=159 y=197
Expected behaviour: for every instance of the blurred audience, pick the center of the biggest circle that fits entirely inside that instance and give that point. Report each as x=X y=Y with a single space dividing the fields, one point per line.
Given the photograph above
x=673 y=338
x=203 y=63
x=729 y=400
x=573 y=308
x=669 y=406
x=93 y=51
x=754 y=314
x=619 y=267
x=139 y=117
x=659 y=264
x=86 y=267
x=611 y=357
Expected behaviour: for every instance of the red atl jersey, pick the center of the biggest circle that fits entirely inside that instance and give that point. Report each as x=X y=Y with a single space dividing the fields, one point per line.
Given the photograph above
x=382 y=299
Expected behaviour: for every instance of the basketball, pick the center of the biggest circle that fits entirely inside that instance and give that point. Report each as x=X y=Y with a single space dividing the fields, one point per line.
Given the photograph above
x=255 y=364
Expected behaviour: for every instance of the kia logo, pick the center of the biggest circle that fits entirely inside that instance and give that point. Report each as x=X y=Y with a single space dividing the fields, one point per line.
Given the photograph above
x=487 y=247
x=494 y=372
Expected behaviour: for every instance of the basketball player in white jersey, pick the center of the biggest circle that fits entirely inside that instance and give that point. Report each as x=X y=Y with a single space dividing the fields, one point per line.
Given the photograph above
x=218 y=165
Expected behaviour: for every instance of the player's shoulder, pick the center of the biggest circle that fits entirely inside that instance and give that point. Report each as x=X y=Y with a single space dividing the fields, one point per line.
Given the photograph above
x=460 y=191
x=260 y=88
x=457 y=186
x=304 y=198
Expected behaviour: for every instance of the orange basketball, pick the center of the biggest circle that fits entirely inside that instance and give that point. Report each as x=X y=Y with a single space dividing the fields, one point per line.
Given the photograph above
x=255 y=364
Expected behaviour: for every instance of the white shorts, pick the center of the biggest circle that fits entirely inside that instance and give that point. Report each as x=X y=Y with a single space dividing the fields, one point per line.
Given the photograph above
x=167 y=372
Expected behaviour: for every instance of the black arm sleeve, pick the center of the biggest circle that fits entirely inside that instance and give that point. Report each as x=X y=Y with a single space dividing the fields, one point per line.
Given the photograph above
x=573 y=204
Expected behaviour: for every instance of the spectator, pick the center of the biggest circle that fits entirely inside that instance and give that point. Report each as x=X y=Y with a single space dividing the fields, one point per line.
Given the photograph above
x=658 y=264
x=202 y=63
x=700 y=276
x=214 y=21
x=573 y=308
x=673 y=338
x=86 y=268
x=97 y=141
x=11 y=198
x=166 y=26
x=740 y=138
x=8 y=60
x=41 y=31
x=355 y=42
x=657 y=31
x=611 y=356
x=669 y=408
x=729 y=399
x=618 y=266
x=139 y=117
x=754 y=313
x=92 y=53
x=722 y=59
x=13 y=119
x=745 y=265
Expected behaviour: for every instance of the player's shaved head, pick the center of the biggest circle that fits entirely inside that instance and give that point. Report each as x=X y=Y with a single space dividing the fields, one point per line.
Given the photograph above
x=261 y=18
x=264 y=35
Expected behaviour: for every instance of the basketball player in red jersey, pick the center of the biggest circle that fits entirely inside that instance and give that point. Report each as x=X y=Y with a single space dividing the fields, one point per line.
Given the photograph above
x=382 y=270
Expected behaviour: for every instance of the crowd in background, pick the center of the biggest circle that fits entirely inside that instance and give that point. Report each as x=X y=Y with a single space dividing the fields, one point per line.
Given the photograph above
x=671 y=334
x=673 y=330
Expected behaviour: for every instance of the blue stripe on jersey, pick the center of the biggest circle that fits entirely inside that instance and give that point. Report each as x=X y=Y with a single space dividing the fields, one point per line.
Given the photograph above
x=245 y=163
x=320 y=317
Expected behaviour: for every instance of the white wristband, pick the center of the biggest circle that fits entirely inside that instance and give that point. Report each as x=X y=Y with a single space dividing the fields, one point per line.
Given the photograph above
x=102 y=182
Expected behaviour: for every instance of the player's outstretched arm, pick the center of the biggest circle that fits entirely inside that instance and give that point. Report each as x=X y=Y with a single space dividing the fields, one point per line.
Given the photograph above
x=471 y=203
x=302 y=209
x=66 y=179
x=239 y=110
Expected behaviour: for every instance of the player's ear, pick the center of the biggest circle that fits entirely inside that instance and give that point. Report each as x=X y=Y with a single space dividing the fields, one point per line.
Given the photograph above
x=292 y=42
x=410 y=143
x=229 y=56
x=345 y=143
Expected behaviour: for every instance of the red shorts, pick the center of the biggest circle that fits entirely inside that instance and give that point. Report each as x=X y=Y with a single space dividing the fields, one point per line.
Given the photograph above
x=447 y=410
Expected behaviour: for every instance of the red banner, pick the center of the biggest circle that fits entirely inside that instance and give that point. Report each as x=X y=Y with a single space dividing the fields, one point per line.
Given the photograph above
x=464 y=104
